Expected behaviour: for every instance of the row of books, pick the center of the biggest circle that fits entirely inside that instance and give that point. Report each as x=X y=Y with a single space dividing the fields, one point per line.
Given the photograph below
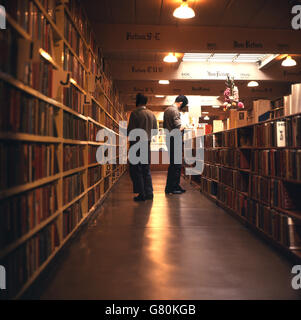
x=38 y=75
x=93 y=196
x=95 y=112
x=228 y=157
x=92 y=150
x=22 y=113
x=72 y=65
x=227 y=196
x=280 y=227
x=280 y=133
x=80 y=19
x=74 y=127
x=107 y=182
x=33 y=21
x=286 y=132
x=208 y=186
x=94 y=175
x=277 y=163
x=22 y=263
x=74 y=99
x=72 y=37
x=73 y=186
x=73 y=157
x=22 y=163
x=71 y=217
x=260 y=189
x=93 y=130
x=284 y=163
x=22 y=213
x=285 y=195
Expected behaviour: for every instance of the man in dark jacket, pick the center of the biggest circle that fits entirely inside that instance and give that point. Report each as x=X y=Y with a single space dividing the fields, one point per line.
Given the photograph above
x=172 y=120
x=142 y=118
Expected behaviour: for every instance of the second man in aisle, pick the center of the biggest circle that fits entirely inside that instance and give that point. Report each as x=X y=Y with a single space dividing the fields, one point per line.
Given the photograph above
x=142 y=118
x=172 y=122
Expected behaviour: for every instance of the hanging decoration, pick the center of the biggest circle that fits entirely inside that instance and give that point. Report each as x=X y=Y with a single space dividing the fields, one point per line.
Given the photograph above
x=231 y=95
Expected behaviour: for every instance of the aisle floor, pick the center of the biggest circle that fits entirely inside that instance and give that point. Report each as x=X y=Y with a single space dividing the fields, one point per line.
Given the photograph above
x=176 y=247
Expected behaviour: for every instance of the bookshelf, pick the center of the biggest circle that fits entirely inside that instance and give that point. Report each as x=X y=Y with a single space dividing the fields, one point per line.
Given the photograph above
x=254 y=172
x=55 y=94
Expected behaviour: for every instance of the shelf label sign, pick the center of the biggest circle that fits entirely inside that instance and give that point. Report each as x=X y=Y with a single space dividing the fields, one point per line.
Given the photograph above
x=2 y=18
x=143 y=36
x=296 y=281
x=296 y=21
x=2 y=278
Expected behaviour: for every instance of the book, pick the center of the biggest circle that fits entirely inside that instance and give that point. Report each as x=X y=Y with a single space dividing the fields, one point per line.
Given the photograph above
x=73 y=157
x=71 y=217
x=94 y=175
x=23 y=163
x=22 y=213
x=73 y=186
x=27 y=114
x=23 y=262
x=73 y=127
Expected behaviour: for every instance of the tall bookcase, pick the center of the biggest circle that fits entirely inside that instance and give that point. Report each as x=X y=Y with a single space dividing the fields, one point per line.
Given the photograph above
x=55 y=94
x=254 y=172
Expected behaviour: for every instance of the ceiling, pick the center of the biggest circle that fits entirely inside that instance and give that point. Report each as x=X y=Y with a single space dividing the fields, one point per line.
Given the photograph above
x=246 y=14
x=218 y=13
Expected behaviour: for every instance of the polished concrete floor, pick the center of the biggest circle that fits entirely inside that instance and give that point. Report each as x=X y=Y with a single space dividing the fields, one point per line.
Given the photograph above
x=176 y=247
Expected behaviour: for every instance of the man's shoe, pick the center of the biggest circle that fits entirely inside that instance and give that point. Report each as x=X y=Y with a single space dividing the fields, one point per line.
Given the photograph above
x=176 y=192
x=149 y=197
x=181 y=189
x=167 y=191
x=139 y=198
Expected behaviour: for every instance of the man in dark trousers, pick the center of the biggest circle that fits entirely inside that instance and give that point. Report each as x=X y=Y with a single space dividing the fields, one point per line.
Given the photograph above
x=172 y=120
x=142 y=118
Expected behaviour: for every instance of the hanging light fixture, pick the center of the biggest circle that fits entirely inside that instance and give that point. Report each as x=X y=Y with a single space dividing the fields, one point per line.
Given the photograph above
x=184 y=12
x=288 y=62
x=253 y=84
x=206 y=118
x=163 y=81
x=170 y=58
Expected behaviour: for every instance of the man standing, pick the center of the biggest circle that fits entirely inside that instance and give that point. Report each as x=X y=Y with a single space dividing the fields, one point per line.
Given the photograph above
x=142 y=118
x=172 y=120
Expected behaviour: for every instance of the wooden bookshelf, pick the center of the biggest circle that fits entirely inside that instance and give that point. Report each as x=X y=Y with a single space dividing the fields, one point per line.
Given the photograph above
x=261 y=182
x=49 y=113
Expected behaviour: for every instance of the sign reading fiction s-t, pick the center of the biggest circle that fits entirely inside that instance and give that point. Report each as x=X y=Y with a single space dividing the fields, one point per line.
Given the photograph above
x=143 y=36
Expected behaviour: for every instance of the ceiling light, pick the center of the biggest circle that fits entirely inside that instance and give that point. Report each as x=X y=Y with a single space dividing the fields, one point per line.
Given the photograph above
x=288 y=62
x=184 y=12
x=158 y=96
x=253 y=84
x=163 y=81
x=205 y=112
x=170 y=58
x=215 y=107
x=206 y=118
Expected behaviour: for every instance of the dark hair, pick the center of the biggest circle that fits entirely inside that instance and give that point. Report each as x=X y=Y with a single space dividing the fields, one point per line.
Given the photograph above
x=183 y=99
x=141 y=100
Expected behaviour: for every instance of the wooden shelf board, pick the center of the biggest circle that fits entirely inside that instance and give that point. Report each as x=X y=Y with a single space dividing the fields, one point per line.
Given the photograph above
x=28 y=235
x=25 y=187
x=28 y=137
x=64 y=241
x=72 y=171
